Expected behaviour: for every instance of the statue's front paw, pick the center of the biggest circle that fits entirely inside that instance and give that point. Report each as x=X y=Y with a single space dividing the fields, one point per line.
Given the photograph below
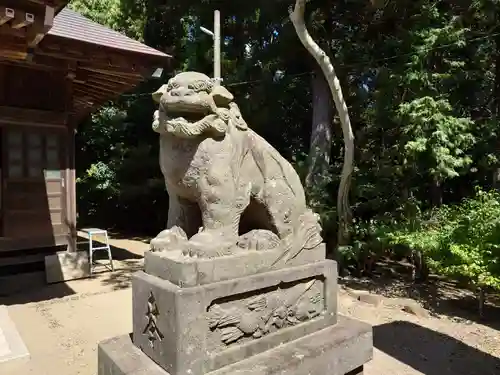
x=258 y=240
x=205 y=253
x=169 y=239
x=209 y=244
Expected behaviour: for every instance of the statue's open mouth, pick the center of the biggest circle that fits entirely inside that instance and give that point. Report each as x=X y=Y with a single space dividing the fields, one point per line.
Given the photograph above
x=189 y=116
x=190 y=124
x=186 y=115
x=188 y=104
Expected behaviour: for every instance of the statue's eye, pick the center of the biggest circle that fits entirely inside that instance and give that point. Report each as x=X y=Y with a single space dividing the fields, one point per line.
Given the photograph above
x=200 y=85
x=172 y=85
x=196 y=86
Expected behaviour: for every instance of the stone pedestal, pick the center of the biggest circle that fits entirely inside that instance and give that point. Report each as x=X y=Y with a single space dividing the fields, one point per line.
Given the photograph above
x=237 y=313
x=341 y=349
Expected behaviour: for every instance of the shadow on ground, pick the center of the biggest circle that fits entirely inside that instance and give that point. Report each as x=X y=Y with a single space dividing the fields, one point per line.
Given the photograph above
x=31 y=287
x=119 y=235
x=441 y=297
x=118 y=253
x=432 y=353
x=121 y=278
x=128 y=264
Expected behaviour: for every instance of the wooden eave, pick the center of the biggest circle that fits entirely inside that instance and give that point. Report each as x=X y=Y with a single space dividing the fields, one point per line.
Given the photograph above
x=98 y=72
x=33 y=4
x=53 y=3
x=95 y=81
x=24 y=23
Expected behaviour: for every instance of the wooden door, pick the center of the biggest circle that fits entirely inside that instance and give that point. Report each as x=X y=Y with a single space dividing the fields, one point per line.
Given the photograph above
x=33 y=185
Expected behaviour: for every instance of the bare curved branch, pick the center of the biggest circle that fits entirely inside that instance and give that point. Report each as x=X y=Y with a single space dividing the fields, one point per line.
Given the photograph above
x=343 y=207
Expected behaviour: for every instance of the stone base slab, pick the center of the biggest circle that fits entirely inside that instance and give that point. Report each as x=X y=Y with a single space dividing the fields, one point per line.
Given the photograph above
x=64 y=266
x=341 y=349
x=173 y=325
x=11 y=344
x=185 y=271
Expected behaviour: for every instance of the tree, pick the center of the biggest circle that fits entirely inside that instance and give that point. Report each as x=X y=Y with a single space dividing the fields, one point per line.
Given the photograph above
x=421 y=78
x=343 y=207
x=125 y=16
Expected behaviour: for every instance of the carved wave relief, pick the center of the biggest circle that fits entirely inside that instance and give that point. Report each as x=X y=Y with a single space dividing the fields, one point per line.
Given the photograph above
x=252 y=317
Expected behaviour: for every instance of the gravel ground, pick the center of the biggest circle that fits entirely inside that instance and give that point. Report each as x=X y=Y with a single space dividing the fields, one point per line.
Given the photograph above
x=436 y=345
x=61 y=325
x=62 y=336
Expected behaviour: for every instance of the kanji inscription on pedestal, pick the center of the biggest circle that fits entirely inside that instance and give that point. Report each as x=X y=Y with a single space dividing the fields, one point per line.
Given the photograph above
x=151 y=328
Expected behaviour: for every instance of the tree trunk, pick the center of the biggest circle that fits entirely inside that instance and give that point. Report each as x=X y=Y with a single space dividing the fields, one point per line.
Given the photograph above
x=496 y=178
x=343 y=208
x=436 y=192
x=496 y=92
x=321 y=132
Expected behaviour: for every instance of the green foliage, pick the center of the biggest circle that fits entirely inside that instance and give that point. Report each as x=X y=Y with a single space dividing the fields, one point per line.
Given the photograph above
x=436 y=137
x=120 y=15
x=422 y=86
x=119 y=182
x=460 y=241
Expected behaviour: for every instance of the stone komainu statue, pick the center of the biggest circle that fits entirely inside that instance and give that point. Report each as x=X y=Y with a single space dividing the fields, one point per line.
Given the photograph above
x=229 y=189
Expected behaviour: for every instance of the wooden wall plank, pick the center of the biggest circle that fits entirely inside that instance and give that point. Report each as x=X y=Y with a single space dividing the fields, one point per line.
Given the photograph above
x=70 y=175
x=35 y=200
x=35 y=89
x=31 y=117
x=33 y=242
x=2 y=84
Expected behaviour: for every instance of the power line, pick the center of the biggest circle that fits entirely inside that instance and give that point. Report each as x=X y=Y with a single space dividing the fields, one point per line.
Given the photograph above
x=428 y=49
x=260 y=80
x=229 y=84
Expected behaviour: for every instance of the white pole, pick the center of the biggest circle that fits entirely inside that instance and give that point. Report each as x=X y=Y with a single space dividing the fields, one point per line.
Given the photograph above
x=217 y=38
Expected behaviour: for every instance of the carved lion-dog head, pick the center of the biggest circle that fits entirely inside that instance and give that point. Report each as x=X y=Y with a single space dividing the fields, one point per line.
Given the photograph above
x=190 y=105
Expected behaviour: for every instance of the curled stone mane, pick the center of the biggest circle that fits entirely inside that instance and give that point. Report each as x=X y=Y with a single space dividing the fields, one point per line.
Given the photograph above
x=197 y=86
x=202 y=85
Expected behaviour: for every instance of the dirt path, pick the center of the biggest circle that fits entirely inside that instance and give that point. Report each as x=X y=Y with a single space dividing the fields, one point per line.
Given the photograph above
x=408 y=345
x=62 y=336
x=61 y=324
